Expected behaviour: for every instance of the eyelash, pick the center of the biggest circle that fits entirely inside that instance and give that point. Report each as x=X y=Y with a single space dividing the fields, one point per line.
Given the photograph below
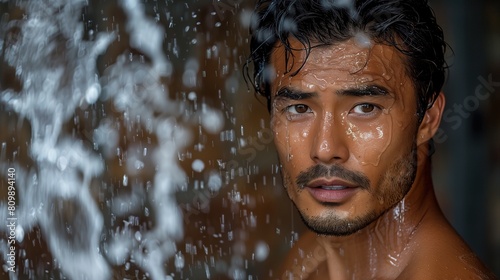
x=375 y=108
x=294 y=106
x=373 y=111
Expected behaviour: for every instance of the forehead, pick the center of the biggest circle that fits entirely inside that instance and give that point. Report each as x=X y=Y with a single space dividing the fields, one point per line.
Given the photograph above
x=342 y=64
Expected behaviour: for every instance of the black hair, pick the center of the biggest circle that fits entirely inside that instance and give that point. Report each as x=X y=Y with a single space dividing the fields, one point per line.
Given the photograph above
x=408 y=25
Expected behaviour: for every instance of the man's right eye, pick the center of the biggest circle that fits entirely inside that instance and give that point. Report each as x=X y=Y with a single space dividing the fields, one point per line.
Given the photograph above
x=297 y=109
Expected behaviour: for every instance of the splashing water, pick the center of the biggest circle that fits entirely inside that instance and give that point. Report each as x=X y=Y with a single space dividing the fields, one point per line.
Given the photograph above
x=106 y=99
x=57 y=79
x=57 y=69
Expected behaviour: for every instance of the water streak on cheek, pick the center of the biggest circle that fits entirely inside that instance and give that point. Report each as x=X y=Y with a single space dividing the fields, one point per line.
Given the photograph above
x=384 y=133
x=281 y=137
x=289 y=150
x=304 y=136
x=369 y=144
x=352 y=131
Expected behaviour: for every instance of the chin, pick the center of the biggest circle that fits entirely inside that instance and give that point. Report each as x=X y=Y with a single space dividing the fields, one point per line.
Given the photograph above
x=334 y=225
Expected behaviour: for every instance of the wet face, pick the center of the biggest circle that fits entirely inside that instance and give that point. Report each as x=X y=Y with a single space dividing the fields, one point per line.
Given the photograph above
x=345 y=130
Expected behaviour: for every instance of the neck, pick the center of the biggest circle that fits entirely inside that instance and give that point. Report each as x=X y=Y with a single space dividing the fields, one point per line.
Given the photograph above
x=383 y=245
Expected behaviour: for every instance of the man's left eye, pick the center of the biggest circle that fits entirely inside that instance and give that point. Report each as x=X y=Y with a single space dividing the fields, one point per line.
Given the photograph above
x=365 y=108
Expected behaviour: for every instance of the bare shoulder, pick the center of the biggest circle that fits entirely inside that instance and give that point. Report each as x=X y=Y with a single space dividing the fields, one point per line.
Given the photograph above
x=440 y=253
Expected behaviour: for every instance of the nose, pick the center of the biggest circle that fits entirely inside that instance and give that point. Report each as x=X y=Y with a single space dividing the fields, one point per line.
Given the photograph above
x=329 y=142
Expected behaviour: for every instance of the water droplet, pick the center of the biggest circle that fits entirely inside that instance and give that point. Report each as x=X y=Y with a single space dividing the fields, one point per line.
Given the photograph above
x=125 y=180
x=214 y=182
x=92 y=93
x=192 y=96
x=198 y=165
x=138 y=236
x=212 y=121
x=62 y=163
x=138 y=164
x=179 y=261
x=19 y=234
x=362 y=40
x=261 y=251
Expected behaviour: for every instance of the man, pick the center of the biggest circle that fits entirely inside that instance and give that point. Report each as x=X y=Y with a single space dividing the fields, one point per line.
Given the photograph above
x=354 y=92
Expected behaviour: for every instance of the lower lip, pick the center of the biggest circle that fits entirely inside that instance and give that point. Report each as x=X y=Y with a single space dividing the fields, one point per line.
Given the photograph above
x=332 y=196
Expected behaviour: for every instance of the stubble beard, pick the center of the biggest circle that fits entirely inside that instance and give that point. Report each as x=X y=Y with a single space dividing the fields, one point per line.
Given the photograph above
x=396 y=183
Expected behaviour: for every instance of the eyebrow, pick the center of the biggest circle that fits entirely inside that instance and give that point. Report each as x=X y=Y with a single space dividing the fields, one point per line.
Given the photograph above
x=370 y=90
x=293 y=94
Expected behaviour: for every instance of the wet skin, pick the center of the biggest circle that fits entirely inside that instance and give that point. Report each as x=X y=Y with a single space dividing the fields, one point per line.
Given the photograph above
x=355 y=164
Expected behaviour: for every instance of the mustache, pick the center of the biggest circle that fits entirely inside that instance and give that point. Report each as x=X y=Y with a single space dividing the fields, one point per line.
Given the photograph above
x=319 y=171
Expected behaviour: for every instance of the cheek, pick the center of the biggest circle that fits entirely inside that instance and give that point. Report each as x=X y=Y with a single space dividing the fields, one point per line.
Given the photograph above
x=290 y=140
x=281 y=139
x=372 y=142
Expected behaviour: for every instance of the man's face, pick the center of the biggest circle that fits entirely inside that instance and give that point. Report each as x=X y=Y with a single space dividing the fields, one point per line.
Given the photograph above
x=345 y=129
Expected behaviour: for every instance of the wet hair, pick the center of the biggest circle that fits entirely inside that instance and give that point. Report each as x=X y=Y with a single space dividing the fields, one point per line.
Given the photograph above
x=408 y=25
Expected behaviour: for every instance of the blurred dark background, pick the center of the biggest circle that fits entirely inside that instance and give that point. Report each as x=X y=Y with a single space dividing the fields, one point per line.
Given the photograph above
x=467 y=161
x=255 y=211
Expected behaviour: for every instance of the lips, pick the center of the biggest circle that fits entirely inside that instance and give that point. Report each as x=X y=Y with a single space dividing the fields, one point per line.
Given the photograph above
x=332 y=191
x=324 y=183
x=333 y=188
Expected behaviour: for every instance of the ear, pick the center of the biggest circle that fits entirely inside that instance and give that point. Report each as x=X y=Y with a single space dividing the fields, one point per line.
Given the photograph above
x=431 y=120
